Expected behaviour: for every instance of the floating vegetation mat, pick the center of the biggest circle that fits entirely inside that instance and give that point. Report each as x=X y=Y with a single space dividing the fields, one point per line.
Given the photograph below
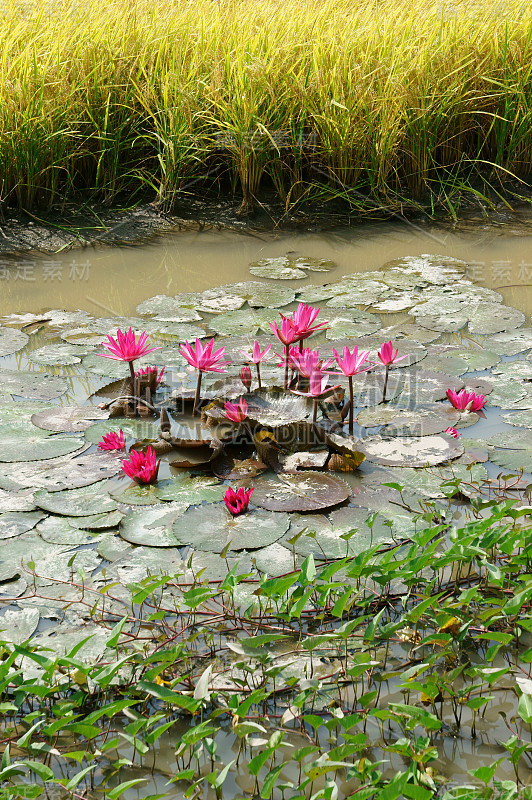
x=239 y=570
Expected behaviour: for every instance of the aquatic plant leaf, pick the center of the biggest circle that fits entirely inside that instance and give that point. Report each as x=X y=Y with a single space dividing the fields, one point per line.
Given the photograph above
x=424 y=386
x=520 y=418
x=243 y=322
x=16 y=501
x=508 y=394
x=83 y=337
x=409 y=332
x=514 y=370
x=21 y=410
x=280 y=269
x=27 y=443
x=167 y=308
x=76 y=502
x=431 y=268
x=59 y=530
x=180 y=331
x=364 y=294
x=33 y=385
x=189 y=490
x=266 y=295
x=137 y=495
x=430 y=483
x=132 y=428
x=12 y=340
x=114 y=369
x=275 y=408
x=152 y=526
x=295 y=462
x=13 y=523
x=313 y=264
x=494 y=318
x=449 y=363
x=218 y=300
x=17 y=625
x=304 y=491
x=510 y=343
x=61 y=641
x=63 y=473
x=212 y=528
x=421 y=420
x=211 y=567
x=352 y=324
x=68 y=418
x=58 y=354
x=410 y=451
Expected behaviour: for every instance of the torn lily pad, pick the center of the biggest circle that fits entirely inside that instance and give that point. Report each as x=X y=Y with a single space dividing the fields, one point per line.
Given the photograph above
x=27 y=443
x=304 y=491
x=410 y=451
x=32 y=385
x=15 y=523
x=68 y=418
x=152 y=526
x=76 y=502
x=212 y=528
x=12 y=340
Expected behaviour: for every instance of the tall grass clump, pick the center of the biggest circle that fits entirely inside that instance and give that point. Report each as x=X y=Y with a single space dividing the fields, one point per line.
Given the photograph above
x=378 y=103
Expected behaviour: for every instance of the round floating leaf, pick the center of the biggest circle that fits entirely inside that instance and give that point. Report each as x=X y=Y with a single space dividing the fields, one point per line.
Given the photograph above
x=75 y=502
x=137 y=495
x=26 y=443
x=14 y=501
x=33 y=385
x=21 y=410
x=509 y=395
x=422 y=420
x=512 y=342
x=445 y=362
x=96 y=522
x=444 y=323
x=273 y=408
x=514 y=449
x=313 y=264
x=366 y=294
x=352 y=324
x=432 y=268
x=330 y=538
x=277 y=268
x=514 y=370
x=276 y=559
x=108 y=368
x=14 y=523
x=218 y=300
x=412 y=451
x=316 y=294
x=180 y=331
x=423 y=386
x=243 y=322
x=190 y=491
x=58 y=530
x=212 y=528
x=520 y=418
x=83 y=337
x=305 y=491
x=409 y=332
x=477 y=360
x=18 y=625
x=137 y=429
x=64 y=473
x=68 y=418
x=152 y=526
x=265 y=295
x=12 y=340
x=167 y=307
x=430 y=483
x=494 y=318
x=58 y=354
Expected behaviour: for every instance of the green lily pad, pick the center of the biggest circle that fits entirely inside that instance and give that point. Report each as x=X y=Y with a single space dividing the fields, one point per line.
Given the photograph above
x=82 y=337
x=76 y=502
x=244 y=322
x=12 y=340
x=16 y=501
x=32 y=385
x=59 y=530
x=18 y=625
x=59 y=474
x=409 y=332
x=352 y=324
x=514 y=370
x=152 y=526
x=424 y=386
x=274 y=408
x=445 y=362
x=410 y=451
x=511 y=343
x=366 y=294
x=168 y=308
x=187 y=490
x=212 y=528
x=280 y=269
x=421 y=420
x=108 y=368
x=513 y=449
x=520 y=418
x=477 y=360
x=68 y=418
x=21 y=410
x=494 y=318
x=507 y=395
x=275 y=560
x=58 y=354
x=137 y=495
x=14 y=523
x=133 y=428
x=179 y=330
x=444 y=323
x=313 y=264
x=264 y=295
x=96 y=522
x=430 y=483
x=304 y=491
x=219 y=300
x=26 y=443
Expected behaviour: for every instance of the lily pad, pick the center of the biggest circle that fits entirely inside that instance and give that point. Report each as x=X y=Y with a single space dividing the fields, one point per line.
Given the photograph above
x=136 y=495
x=409 y=332
x=478 y=360
x=132 y=428
x=58 y=530
x=424 y=386
x=181 y=331
x=167 y=307
x=33 y=385
x=96 y=522
x=265 y=295
x=14 y=523
x=421 y=420
x=520 y=418
x=243 y=322
x=218 y=300
x=410 y=451
x=59 y=474
x=352 y=324
x=304 y=491
x=108 y=368
x=68 y=418
x=276 y=408
x=512 y=342
x=58 y=354
x=277 y=268
x=26 y=443
x=212 y=528
x=187 y=490
x=494 y=318
x=12 y=340
x=75 y=502
x=18 y=625
x=444 y=323
x=152 y=526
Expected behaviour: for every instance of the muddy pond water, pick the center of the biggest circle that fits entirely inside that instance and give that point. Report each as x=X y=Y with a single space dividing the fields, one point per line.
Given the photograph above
x=458 y=337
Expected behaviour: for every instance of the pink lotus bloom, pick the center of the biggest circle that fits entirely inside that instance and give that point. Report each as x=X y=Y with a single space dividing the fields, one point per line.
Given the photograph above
x=350 y=363
x=142 y=468
x=307 y=361
x=150 y=376
x=202 y=357
x=236 y=413
x=461 y=400
x=287 y=333
x=258 y=355
x=303 y=317
x=112 y=441
x=388 y=356
x=245 y=377
x=318 y=387
x=453 y=432
x=126 y=347
x=237 y=502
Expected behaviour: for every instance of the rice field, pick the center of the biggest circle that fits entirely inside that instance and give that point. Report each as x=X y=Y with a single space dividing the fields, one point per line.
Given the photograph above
x=382 y=104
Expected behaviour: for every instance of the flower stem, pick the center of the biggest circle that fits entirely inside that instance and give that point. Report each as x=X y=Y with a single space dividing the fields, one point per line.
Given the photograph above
x=385 y=383
x=133 y=384
x=258 y=375
x=315 y=414
x=351 y=404
x=197 y=397
x=286 y=351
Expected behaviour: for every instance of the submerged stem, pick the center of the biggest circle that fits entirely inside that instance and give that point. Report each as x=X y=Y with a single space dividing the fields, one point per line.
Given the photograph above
x=315 y=414
x=258 y=375
x=286 y=352
x=385 y=383
x=351 y=409
x=197 y=397
x=133 y=383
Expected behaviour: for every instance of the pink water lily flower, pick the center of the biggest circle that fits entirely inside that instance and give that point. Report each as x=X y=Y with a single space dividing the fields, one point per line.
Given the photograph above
x=203 y=359
x=237 y=502
x=236 y=413
x=112 y=441
x=453 y=432
x=142 y=468
x=287 y=335
x=307 y=361
x=318 y=388
x=352 y=364
x=245 y=377
x=126 y=347
x=388 y=357
x=303 y=318
x=257 y=357
x=465 y=401
x=150 y=377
